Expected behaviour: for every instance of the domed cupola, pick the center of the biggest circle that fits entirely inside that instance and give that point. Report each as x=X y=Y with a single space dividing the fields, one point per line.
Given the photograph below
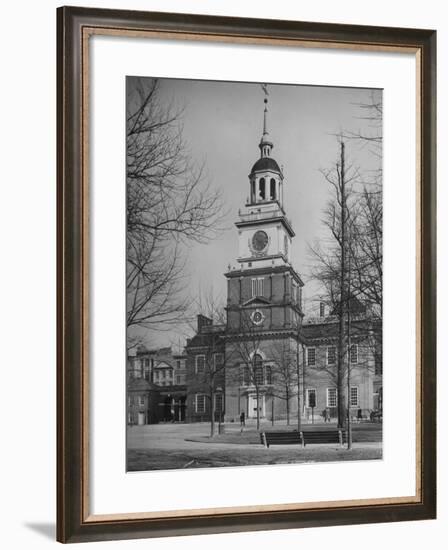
x=265 y=163
x=266 y=178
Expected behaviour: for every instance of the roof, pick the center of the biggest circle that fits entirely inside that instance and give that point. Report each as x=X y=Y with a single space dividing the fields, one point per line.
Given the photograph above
x=354 y=304
x=140 y=384
x=321 y=330
x=326 y=328
x=206 y=340
x=265 y=163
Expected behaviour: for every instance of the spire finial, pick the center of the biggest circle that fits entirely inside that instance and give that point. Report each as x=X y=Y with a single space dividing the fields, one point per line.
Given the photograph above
x=264 y=87
x=265 y=118
x=265 y=143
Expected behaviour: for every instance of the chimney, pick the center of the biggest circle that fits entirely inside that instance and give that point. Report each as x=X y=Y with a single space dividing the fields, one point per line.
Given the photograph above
x=203 y=321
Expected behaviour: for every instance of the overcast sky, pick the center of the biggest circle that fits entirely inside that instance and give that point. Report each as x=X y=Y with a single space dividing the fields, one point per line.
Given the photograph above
x=222 y=125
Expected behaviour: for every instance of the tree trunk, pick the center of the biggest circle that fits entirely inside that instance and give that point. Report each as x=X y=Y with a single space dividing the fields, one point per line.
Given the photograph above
x=212 y=414
x=299 y=412
x=341 y=339
x=303 y=379
x=349 y=422
x=287 y=407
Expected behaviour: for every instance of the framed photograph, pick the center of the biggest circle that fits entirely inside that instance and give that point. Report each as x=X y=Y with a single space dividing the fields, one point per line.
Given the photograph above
x=239 y=348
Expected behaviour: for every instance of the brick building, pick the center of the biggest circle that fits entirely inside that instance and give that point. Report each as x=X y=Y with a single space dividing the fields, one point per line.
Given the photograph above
x=266 y=360
x=362 y=358
x=275 y=361
x=205 y=377
x=156 y=386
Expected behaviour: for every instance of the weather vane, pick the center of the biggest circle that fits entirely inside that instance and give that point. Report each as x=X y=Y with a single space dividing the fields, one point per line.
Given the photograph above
x=264 y=87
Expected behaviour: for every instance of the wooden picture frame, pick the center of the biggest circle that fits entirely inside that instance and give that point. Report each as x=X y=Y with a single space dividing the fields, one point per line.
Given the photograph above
x=75 y=26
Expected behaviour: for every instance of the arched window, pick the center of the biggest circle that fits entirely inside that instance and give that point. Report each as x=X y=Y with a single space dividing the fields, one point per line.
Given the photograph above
x=262 y=189
x=252 y=191
x=258 y=369
x=273 y=197
x=245 y=376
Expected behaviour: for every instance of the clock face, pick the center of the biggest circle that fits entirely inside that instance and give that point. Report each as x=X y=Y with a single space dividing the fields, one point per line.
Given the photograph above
x=260 y=241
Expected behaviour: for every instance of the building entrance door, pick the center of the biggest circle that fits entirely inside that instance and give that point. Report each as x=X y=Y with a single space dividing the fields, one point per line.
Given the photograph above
x=141 y=418
x=252 y=405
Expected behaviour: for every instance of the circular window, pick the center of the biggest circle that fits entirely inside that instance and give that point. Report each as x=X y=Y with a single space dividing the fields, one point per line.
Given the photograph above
x=257 y=317
x=260 y=241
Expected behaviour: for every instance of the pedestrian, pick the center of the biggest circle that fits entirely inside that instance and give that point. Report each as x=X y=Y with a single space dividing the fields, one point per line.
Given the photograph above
x=328 y=417
x=242 y=419
x=324 y=415
x=359 y=415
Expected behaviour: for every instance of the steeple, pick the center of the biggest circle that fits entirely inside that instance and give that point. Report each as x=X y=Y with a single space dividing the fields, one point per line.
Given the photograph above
x=266 y=178
x=266 y=144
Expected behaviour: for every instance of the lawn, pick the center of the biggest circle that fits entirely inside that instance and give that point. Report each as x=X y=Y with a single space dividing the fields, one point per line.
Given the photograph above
x=208 y=455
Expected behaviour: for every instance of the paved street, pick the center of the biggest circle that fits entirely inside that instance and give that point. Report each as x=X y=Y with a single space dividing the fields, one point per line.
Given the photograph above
x=167 y=446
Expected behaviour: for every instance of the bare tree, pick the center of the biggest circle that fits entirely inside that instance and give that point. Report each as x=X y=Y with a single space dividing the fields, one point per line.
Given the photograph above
x=367 y=242
x=366 y=246
x=371 y=137
x=169 y=204
x=211 y=377
x=251 y=371
x=366 y=251
x=349 y=266
x=286 y=374
x=331 y=265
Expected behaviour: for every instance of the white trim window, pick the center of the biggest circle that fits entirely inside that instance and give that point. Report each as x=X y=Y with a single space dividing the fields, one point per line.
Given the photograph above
x=331 y=355
x=258 y=376
x=310 y=392
x=332 y=397
x=137 y=369
x=354 y=353
x=199 y=403
x=257 y=287
x=141 y=400
x=219 y=401
x=310 y=356
x=268 y=378
x=218 y=360
x=354 y=396
x=257 y=370
x=200 y=364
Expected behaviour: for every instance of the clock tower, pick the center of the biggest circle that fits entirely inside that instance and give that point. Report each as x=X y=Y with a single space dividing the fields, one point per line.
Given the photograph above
x=264 y=291
x=264 y=231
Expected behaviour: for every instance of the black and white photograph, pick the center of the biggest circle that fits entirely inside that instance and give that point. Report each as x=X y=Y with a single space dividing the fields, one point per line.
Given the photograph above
x=254 y=274
x=226 y=218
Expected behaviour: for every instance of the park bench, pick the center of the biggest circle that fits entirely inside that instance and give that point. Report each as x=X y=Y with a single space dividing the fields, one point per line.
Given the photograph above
x=280 y=438
x=301 y=438
x=322 y=436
